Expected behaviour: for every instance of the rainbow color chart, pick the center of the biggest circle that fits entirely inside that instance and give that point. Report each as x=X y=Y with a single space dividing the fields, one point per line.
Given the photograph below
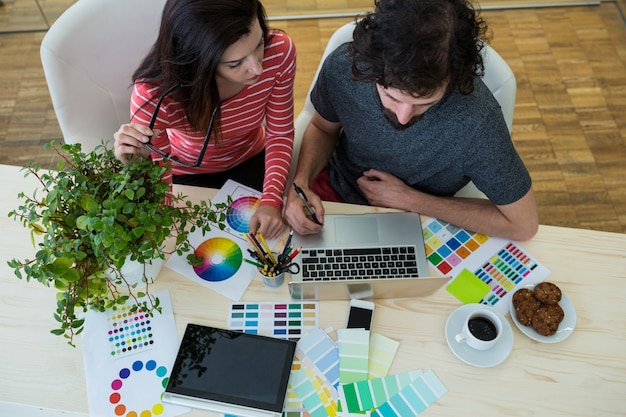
x=221 y=259
x=136 y=374
x=499 y=263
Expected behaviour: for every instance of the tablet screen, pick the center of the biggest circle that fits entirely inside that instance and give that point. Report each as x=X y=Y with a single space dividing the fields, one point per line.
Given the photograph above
x=232 y=367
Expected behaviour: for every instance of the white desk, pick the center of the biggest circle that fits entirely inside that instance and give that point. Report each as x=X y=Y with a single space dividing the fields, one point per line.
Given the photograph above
x=584 y=375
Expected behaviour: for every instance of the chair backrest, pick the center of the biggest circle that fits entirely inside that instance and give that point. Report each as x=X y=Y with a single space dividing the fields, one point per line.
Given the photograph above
x=89 y=55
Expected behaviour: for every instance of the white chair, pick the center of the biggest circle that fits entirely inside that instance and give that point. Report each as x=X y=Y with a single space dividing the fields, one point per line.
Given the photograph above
x=498 y=77
x=89 y=55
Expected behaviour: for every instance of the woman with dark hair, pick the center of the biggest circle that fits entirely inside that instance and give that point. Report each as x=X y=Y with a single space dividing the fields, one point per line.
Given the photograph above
x=214 y=96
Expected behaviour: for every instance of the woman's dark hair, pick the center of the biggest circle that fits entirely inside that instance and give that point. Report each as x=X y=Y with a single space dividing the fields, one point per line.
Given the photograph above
x=418 y=45
x=192 y=39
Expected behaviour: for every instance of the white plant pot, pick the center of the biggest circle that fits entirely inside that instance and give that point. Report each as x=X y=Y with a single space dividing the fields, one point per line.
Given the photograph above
x=133 y=271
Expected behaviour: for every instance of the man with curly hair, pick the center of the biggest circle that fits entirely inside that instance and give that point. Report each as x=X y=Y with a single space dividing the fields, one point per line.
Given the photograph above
x=403 y=120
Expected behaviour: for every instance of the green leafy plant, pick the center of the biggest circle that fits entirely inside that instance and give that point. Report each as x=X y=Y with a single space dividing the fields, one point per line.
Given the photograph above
x=94 y=214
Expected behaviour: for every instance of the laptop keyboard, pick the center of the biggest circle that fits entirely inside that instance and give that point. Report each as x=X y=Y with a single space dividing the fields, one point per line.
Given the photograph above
x=356 y=264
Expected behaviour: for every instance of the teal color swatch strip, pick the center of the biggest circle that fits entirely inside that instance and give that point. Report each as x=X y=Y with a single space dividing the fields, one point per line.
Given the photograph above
x=413 y=399
x=369 y=394
x=353 y=355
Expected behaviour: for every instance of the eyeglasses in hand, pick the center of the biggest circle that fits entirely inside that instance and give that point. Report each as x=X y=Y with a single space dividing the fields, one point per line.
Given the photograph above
x=174 y=158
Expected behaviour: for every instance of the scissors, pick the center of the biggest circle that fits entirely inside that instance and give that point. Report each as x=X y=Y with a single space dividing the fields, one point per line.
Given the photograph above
x=291 y=267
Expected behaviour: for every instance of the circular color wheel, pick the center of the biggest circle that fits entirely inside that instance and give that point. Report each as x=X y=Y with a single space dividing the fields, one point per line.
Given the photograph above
x=240 y=212
x=221 y=259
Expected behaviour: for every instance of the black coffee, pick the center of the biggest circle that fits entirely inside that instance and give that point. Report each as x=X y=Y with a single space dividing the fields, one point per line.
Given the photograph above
x=482 y=328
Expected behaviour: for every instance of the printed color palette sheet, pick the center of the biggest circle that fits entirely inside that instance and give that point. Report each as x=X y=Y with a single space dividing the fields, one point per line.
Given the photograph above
x=500 y=264
x=281 y=320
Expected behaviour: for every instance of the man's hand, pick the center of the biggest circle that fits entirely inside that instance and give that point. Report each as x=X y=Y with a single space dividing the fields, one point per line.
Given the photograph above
x=296 y=214
x=381 y=189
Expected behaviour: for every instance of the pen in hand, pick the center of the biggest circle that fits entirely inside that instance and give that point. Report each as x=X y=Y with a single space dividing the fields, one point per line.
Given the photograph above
x=307 y=205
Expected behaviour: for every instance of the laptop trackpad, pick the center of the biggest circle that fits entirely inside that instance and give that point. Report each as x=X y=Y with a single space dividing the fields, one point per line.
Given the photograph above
x=356 y=229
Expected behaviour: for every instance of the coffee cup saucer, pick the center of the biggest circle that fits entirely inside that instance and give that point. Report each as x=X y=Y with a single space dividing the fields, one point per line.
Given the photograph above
x=480 y=358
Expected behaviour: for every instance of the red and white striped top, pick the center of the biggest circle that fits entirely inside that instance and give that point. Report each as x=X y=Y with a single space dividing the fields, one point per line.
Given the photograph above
x=261 y=115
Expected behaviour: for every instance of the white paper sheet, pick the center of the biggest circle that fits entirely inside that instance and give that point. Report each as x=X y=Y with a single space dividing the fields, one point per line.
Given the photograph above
x=128 y=360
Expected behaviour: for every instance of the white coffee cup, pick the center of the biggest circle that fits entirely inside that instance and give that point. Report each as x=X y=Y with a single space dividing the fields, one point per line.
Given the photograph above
x=481 y=330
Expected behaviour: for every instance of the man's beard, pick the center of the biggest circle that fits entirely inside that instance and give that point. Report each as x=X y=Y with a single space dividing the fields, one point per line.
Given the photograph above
x=391 y=117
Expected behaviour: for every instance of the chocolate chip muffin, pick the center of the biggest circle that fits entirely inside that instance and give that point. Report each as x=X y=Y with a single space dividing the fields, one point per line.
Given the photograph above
x=547 y=293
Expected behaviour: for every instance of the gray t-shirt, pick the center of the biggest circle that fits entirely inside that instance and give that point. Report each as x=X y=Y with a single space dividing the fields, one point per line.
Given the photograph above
x=459 y=139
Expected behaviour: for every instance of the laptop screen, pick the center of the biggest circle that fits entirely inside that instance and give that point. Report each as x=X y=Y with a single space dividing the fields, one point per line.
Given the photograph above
x=232 y=367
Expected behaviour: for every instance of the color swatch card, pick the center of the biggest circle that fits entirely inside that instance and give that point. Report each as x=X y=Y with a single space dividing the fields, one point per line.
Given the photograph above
x=368 y=394
x=485 y=269
x=293 y=405
x=223 y=268
x=354 y=345
x=381 y=354
x=315 y=395
x=413 y=399
x=128 y=358
x=281 y=320
x=319 y=351
x=315 y=383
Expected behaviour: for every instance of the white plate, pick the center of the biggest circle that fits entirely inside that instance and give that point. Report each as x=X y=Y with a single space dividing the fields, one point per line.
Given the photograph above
x=481 y=358
x=566 y=327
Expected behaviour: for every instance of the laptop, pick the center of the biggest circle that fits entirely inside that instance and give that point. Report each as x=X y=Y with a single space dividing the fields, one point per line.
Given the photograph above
x=373 y=255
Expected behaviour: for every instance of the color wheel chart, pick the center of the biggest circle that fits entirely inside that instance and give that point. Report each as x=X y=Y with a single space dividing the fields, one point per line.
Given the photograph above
x=223 y=269
x=498 y=264
x=128 y=358
x=240 y=212
x=221 y=259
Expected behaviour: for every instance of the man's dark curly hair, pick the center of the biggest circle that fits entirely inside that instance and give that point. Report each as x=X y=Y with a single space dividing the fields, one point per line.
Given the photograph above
x=417 y=45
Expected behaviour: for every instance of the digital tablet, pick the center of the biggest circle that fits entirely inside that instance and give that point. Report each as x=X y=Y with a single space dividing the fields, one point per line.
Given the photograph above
x=231 y=372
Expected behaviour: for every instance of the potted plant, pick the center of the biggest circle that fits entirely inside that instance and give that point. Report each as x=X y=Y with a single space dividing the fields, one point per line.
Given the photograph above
x=93 y=216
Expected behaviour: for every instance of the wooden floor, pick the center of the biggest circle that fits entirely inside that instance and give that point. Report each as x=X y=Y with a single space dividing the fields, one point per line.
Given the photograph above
x=570 y=116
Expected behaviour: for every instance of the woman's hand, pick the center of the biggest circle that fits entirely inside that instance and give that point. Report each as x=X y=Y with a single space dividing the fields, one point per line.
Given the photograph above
x=129 y=141
x=267 y=220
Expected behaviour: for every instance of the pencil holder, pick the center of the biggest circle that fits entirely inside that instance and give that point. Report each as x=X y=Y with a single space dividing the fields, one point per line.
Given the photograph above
x=273 y=281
